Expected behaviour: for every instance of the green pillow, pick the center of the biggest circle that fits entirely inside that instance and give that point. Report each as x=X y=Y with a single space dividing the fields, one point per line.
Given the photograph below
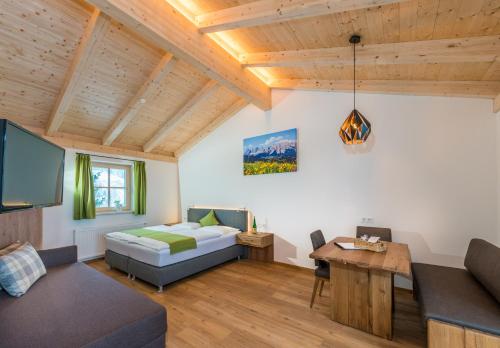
x=209 y=219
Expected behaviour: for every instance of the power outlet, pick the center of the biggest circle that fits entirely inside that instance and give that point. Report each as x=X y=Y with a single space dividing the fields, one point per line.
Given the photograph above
x=367 y=220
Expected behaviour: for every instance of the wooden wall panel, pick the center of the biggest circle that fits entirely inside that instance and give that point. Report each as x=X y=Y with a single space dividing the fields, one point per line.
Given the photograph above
x=38 y=43
x=24 y=225
x=122 y=63
x=167 y=27
x=23 y=102
x=125 y=116
x=406 y=21
x=236 y=107
x=175 y=90
x=201 y=115
x=493 y=72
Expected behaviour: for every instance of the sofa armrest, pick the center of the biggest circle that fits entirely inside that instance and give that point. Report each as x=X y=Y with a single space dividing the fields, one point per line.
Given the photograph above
x=58 y=256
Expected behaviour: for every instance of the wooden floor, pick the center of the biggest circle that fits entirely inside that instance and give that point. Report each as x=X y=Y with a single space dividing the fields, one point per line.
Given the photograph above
x=252 y=304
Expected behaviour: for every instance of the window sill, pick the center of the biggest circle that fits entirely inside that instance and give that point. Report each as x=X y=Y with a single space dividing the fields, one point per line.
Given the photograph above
x=114 y=212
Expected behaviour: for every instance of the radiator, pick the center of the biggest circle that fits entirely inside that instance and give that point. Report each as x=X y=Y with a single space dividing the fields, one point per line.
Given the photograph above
x=91 y=243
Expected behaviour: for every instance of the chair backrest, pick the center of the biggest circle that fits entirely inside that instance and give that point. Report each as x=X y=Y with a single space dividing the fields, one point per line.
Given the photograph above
x=382 y=232
x=482 y=261
x=318 y=240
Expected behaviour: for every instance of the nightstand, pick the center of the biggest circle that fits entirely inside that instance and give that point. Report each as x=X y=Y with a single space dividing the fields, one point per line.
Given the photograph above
x=260 y=245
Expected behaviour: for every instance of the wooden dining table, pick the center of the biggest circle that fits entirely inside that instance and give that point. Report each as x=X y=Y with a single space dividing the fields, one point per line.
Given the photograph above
x=361 y=284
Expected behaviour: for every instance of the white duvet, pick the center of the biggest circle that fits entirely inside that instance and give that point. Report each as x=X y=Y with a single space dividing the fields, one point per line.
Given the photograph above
x=198 y=234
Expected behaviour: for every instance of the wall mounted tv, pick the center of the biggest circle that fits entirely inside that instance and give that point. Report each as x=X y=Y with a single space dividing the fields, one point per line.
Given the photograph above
x=31 y=169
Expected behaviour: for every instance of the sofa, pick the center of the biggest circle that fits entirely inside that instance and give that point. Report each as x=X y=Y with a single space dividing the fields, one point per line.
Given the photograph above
x=74 y=305
x=461 y=307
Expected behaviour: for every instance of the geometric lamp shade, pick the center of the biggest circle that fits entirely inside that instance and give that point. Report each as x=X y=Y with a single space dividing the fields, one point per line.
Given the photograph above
x=355 y=129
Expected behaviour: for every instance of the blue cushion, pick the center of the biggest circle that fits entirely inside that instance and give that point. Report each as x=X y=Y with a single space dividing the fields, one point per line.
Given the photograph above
x=20 y=269
x=8 y=249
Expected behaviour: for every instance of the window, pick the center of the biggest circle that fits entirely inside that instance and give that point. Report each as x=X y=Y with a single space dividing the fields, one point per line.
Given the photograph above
x=112 y=185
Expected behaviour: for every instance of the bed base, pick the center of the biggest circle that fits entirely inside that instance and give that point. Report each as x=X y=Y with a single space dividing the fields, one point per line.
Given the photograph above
x=161 y=276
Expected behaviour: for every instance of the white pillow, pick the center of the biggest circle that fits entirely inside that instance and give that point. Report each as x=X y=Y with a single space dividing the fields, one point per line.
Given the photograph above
x=188 y=225
x=219 y=228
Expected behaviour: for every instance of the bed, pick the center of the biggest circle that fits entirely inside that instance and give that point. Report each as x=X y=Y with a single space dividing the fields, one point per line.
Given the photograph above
x=153 y=262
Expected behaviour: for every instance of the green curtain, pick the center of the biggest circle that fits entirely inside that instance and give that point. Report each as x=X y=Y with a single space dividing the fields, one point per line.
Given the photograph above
x=139 y=188
x=84 y=205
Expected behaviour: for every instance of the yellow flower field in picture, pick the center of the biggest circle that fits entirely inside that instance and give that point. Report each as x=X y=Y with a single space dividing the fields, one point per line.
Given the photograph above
x=257 y=168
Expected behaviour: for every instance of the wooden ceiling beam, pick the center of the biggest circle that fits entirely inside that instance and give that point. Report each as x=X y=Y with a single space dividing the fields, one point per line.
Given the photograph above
x=161 y=24
x=79 y=145
x=70 y=141
x=273 y=11
x=493 y=72
x=474 y=49
x=496 y=103
x=481 y=89
x=226 y=115
x=181 y=115
x=164 y=67
x=95 y=30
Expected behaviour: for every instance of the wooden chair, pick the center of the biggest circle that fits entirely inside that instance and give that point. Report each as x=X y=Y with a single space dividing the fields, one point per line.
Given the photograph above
x=322 y=271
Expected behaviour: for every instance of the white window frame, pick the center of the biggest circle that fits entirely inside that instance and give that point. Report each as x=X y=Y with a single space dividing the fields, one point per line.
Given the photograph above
x=127 y=188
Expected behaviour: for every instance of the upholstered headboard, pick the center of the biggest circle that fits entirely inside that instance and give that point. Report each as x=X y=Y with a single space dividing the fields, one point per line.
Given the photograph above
x=227 y=217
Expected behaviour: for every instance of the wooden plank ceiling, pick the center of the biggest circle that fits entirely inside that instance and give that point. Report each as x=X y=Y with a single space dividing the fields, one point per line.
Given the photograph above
x=151 y=78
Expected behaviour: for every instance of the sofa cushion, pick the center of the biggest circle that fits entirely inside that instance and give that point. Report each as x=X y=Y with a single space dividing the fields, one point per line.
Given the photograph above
x=58 y=256
x=454 y=296
x=8 y=249
x=20 y=269
x=483 y=261
x=75 y=305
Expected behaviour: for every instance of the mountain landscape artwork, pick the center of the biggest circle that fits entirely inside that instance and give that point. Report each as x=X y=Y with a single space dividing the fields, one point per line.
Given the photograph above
x=270 y=153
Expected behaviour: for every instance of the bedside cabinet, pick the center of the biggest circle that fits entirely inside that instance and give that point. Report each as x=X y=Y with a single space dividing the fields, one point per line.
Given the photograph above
x=260 y=245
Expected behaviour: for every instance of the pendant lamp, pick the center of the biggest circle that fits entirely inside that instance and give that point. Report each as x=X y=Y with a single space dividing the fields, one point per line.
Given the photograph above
x=356 y=128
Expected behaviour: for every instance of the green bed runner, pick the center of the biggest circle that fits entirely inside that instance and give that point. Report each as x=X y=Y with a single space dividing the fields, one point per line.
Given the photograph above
x=176 y=242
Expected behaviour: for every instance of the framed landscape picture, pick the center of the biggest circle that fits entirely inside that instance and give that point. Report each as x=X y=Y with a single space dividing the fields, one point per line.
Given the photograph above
x=270 y=153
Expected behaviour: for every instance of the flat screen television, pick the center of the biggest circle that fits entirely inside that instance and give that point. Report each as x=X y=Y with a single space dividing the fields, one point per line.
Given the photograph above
x=31 y=169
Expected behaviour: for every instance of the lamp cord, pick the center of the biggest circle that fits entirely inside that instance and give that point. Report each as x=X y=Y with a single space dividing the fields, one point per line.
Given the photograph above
x=354 y=80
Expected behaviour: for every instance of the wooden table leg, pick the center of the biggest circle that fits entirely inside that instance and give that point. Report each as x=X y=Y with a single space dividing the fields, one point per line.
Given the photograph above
x=339 y=292
x=361 y=298
x=381 y=303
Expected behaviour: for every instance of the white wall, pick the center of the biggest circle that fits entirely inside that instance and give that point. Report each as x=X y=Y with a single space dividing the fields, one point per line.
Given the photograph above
x=428 y=171
x=162 y=204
